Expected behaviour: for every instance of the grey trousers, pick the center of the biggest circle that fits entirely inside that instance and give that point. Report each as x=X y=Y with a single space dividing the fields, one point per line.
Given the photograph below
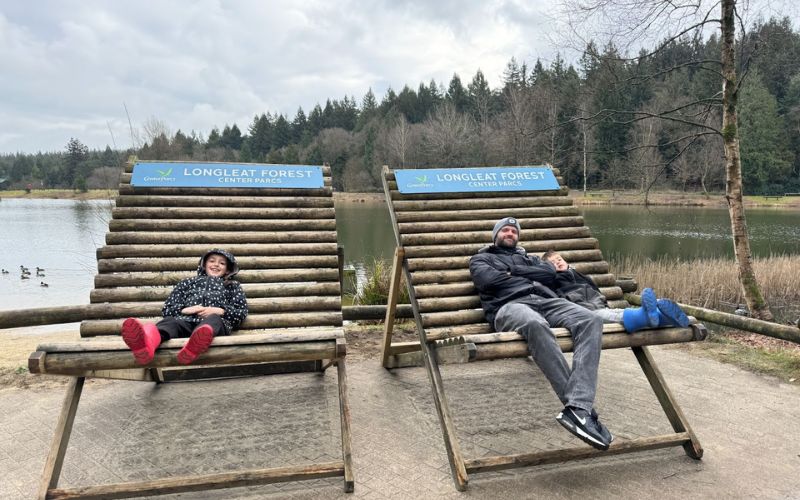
x=532 y=317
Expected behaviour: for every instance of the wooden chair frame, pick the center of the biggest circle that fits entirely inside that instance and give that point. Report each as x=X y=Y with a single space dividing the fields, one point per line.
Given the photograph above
x=453 y=330
x=299 y=324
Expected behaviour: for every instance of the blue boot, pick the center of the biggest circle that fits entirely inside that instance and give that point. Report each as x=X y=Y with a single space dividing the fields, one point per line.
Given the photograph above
x=671 y=314
x=650 y=306
x=638 y=318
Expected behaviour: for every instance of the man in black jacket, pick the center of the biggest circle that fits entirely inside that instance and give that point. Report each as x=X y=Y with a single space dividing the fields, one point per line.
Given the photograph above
x=514 y=293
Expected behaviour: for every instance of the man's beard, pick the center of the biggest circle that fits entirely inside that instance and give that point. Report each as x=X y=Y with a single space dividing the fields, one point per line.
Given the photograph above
x=502 y=243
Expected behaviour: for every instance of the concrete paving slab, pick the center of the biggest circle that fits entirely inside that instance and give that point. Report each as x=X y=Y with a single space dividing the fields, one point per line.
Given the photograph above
x=746 y=423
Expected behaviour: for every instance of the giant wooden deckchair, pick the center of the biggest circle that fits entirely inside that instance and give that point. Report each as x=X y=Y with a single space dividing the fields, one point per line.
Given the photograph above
x=285 y=243
x=437 y=233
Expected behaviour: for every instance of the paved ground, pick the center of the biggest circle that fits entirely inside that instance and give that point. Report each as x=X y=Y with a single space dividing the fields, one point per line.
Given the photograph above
x=747 y=424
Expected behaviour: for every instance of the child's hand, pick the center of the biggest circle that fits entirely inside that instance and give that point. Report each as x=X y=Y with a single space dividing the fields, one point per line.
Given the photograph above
x=192 y=310
x=205 y=312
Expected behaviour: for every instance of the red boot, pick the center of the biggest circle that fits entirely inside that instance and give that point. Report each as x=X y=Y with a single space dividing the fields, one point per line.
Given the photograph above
x=196 y=345
x=142 y=338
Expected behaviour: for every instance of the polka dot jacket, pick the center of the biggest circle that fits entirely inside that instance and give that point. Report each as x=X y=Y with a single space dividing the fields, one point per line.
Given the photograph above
x=209 y=291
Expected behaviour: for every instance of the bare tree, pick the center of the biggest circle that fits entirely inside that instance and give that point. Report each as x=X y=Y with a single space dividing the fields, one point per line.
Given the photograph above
x=447 y=135
x=636 y=21
x=398 y=141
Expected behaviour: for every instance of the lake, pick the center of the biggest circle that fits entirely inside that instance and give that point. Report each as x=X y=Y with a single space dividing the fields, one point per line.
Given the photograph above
x=61 y=236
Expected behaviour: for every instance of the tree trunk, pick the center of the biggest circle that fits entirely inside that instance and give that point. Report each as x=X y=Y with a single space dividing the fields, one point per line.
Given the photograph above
x=733 y=168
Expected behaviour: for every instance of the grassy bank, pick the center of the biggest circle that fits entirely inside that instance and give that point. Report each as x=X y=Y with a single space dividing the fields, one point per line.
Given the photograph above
x=61 y=194
x=677 y=198
x=595 y=197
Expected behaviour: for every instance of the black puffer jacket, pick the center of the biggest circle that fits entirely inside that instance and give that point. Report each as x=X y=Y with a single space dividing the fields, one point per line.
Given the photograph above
x=580 y=289
x=504 y=274
x=209 y=291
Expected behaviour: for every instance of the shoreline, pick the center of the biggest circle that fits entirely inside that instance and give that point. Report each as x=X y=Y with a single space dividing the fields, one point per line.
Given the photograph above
x=597 y=197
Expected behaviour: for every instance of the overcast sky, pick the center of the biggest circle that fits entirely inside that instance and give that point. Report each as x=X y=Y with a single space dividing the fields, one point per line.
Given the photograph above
x=68 y=68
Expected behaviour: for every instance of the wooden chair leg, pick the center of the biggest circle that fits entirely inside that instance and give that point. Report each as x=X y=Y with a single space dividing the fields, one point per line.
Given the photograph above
x=457 y=467
x=667 y=400
x=344 y=414
x=391 y=306
x=55 y=459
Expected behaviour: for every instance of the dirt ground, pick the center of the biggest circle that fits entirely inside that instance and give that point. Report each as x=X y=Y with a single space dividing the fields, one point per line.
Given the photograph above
x=15 y=347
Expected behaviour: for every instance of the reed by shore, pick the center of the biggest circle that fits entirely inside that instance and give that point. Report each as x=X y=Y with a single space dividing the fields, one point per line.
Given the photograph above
x=713 y=283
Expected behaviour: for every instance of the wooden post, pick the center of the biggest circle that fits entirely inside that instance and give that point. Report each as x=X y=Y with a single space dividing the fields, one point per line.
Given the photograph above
x=391 y=306
x=671 y=409
x=55 y=459
x=457 y=467
x=344 y=414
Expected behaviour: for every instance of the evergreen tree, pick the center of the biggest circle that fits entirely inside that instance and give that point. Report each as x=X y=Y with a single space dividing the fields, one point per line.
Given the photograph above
x=74 y=163
x=260 y=140
x=214 y=139
x=457 y=94
x=282 y=134
x=479 y=97
x=766 y=161
x=299 y=125
x=369 y=109
x=316 y=121
x=407 y=105
x=231 y=137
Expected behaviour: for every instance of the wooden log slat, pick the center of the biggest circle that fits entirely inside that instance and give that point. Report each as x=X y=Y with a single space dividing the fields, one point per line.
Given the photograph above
x=251 y=290
x=71 y=363
x=488 y=224
x=432 y=263
x=485 y=237
x=190 y=263
x=201 y=482
x=189 y=250
x=427 y=277
x=509 y=205
x=223 y=201
x=461 y=317
x=125 y=178
x=467 y=288
x=241 y=225
x=128 y=169
x=503 y=462
x=93 y=328
x=278 y=337
x=473 y=301
x=220 y=213
x=490 y=214
x=392 y=185
x=219 y=238
x=263 y=276
x=502 y=350
x=126 y=189
x=536 y=247
x=255 y=306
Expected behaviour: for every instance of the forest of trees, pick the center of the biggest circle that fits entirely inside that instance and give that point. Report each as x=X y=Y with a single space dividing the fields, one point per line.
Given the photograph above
x=584 y=120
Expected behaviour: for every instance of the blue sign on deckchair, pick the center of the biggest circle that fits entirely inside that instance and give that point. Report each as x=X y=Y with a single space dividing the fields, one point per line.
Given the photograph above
x=241 y=175
x=470 y=180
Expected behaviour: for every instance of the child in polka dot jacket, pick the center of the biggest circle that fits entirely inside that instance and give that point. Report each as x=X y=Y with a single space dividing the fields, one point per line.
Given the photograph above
x=202 y=307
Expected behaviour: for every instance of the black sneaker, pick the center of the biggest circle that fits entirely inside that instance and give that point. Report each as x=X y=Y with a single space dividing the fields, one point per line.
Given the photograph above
x=603 y=429
x=582 y=424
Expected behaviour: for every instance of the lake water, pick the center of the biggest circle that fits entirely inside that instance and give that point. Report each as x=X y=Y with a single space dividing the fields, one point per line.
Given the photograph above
x=61 y=236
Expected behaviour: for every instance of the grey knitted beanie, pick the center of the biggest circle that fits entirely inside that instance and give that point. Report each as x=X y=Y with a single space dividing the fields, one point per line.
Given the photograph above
x=506 y=221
